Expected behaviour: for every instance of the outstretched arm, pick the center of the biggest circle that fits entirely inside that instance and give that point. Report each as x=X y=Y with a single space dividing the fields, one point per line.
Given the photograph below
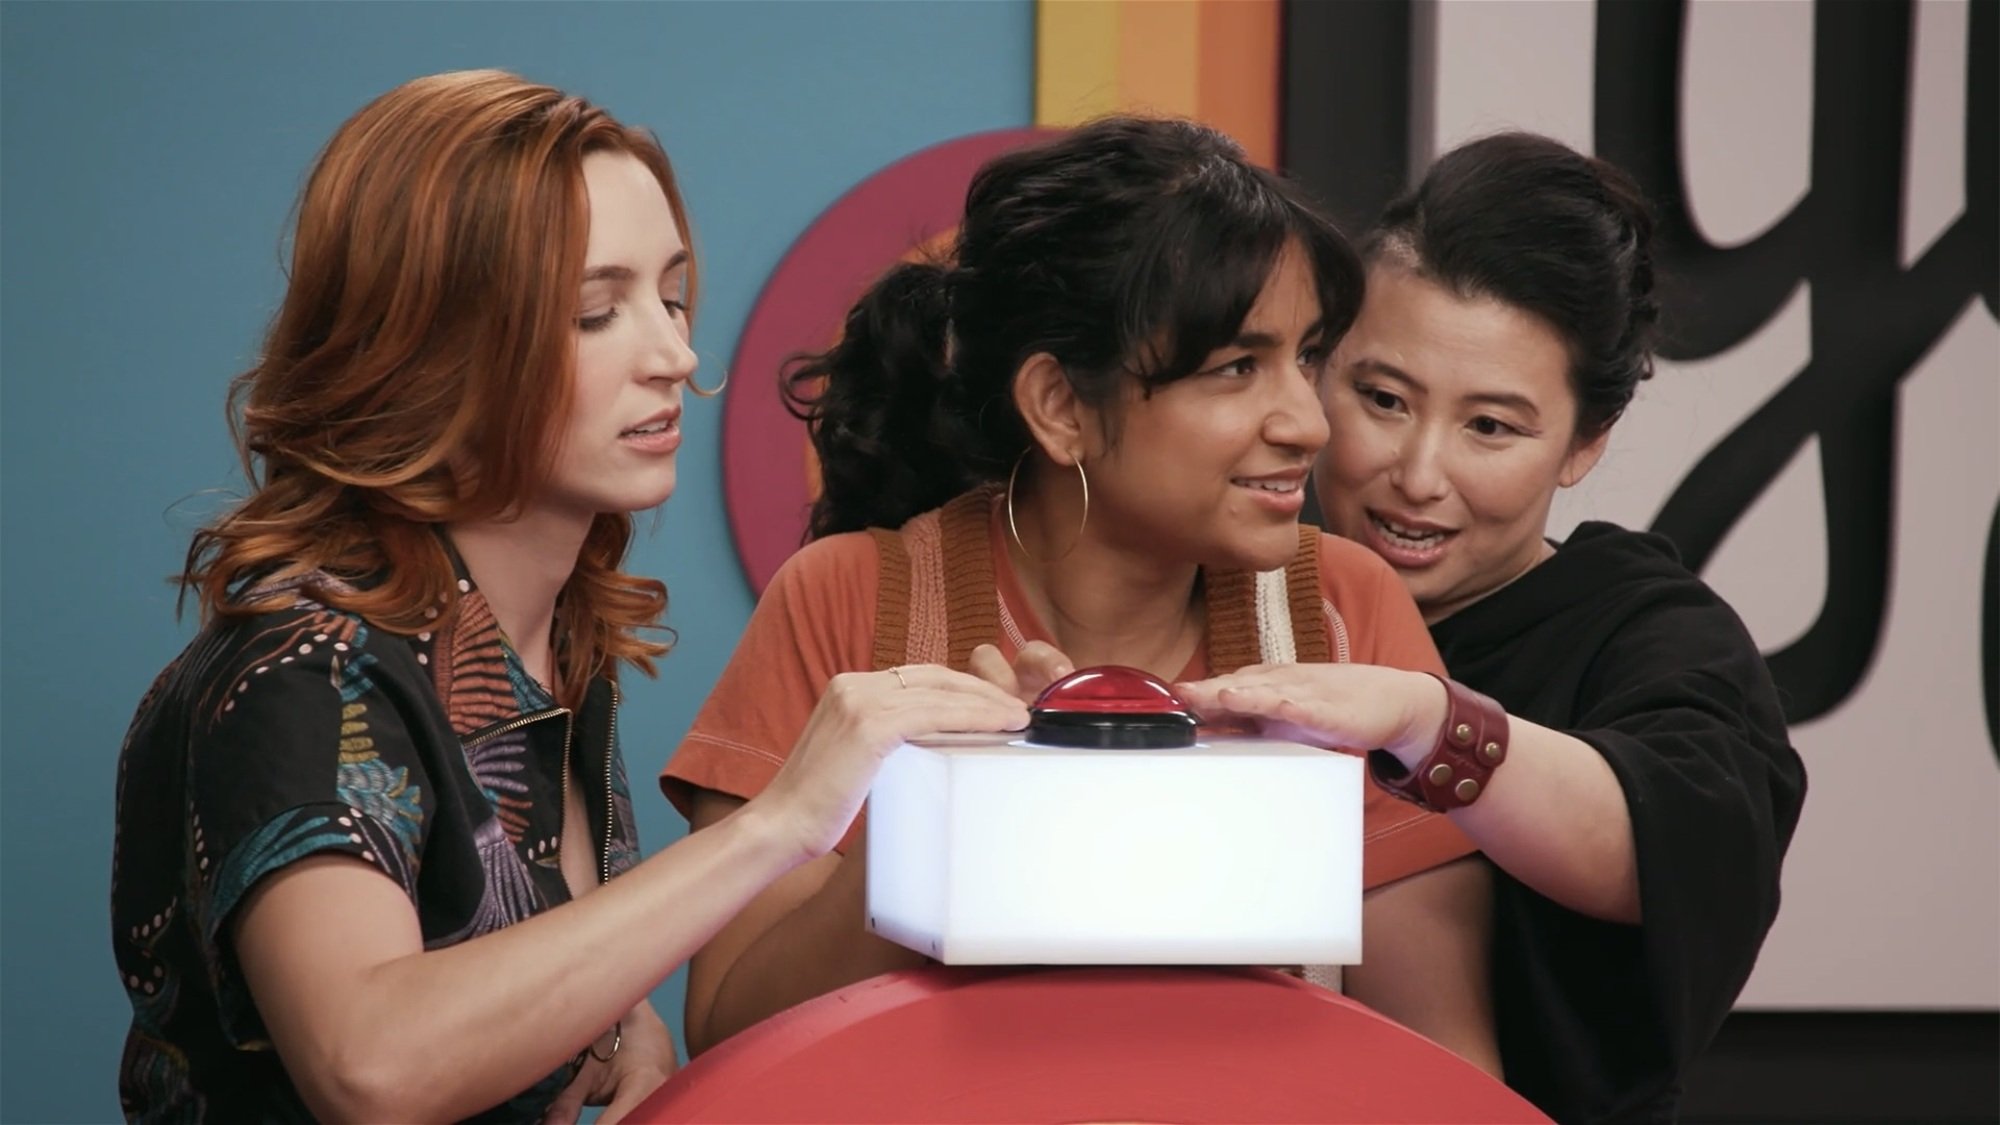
x=1582 y=858
x=802 y=937
x=373 y=1027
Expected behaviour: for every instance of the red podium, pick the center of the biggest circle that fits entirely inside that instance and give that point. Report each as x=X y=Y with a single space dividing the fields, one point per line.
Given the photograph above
x=1082 y=1045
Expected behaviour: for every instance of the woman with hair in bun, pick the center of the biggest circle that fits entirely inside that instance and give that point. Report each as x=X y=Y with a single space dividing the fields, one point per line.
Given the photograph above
x=375 y=857
x=1617 y=751
x=1082 y=439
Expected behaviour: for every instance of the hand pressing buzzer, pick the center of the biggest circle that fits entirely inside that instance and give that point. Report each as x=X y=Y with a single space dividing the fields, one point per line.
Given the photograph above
x=1583 y=859
x=1413 y=930
x=1357 y=707
x=1034 y=668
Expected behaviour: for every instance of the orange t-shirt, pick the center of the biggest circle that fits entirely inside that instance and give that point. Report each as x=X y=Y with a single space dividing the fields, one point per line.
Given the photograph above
x=817 y=620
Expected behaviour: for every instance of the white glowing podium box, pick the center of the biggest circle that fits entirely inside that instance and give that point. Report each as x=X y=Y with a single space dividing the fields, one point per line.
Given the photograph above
x=986 y=850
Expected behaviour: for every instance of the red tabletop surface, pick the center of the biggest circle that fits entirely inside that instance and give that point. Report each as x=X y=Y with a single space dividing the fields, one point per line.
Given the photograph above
x=1082 y=1045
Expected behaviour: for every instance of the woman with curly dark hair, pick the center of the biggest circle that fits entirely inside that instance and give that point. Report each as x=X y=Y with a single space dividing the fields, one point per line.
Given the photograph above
x=1082 y=438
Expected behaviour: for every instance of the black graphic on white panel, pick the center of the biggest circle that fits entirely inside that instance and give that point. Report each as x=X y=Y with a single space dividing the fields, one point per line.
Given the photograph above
x=1872 y=320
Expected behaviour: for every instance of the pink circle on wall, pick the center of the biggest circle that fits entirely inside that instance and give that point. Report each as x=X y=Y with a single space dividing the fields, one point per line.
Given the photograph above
x=765 y=483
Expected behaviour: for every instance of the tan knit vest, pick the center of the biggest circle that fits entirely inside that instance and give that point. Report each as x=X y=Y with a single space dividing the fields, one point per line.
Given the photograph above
x=937 y=598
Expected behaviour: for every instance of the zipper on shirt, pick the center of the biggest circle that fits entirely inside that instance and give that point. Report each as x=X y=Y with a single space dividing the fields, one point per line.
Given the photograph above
x=610 y=745
x=562 y=816
x=511 y=725
x=569 y=730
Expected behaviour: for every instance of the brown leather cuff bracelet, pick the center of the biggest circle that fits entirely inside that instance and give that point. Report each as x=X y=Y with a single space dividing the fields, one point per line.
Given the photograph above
x=1470 y=746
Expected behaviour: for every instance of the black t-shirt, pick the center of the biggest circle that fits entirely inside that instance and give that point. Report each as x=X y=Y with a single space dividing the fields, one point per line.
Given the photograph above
x=1615 y=642
x=306 y=731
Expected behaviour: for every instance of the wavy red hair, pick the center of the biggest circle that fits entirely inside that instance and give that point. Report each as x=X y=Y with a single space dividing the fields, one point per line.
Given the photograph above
x=419 y=370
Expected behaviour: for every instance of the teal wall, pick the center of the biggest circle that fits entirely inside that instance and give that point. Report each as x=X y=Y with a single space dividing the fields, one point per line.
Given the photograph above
x=150 y=155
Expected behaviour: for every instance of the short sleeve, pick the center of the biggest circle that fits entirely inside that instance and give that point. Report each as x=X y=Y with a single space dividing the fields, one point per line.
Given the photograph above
x=815 y=621
x=293 y=750
x=301 y=752
x=1681 y=705
x=1600 y=1020
x=1383 y=627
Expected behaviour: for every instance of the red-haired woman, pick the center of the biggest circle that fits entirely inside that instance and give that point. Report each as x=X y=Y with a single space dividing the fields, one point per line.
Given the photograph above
x=375 y=855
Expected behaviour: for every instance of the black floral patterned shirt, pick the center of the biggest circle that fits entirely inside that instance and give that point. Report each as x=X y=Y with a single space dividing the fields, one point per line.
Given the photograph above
x=304 y=731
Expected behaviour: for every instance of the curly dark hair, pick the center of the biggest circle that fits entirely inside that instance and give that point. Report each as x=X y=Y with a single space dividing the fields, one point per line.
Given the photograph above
x=1129 y=248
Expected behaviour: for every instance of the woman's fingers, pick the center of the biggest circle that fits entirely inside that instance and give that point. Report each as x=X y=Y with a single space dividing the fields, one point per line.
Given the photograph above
x=1256 y=701
x=631 y=1092
x=1198 y=694
x=894 y=683
x=885 y=708
x=987 y=664
x=861 y=718
x=1319 y=705
x=931 y=711
x=1299 y=681
x=1215 y=698
x=1035 y=667
x=1038 y=665
x=938 y=700
x=568 y=1105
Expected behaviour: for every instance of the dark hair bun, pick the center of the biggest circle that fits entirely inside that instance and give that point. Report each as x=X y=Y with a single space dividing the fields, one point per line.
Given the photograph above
x=1535 y=224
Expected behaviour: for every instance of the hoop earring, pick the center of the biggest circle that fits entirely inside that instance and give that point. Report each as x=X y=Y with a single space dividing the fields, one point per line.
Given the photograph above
x=708 y=392
x=1082 y=479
